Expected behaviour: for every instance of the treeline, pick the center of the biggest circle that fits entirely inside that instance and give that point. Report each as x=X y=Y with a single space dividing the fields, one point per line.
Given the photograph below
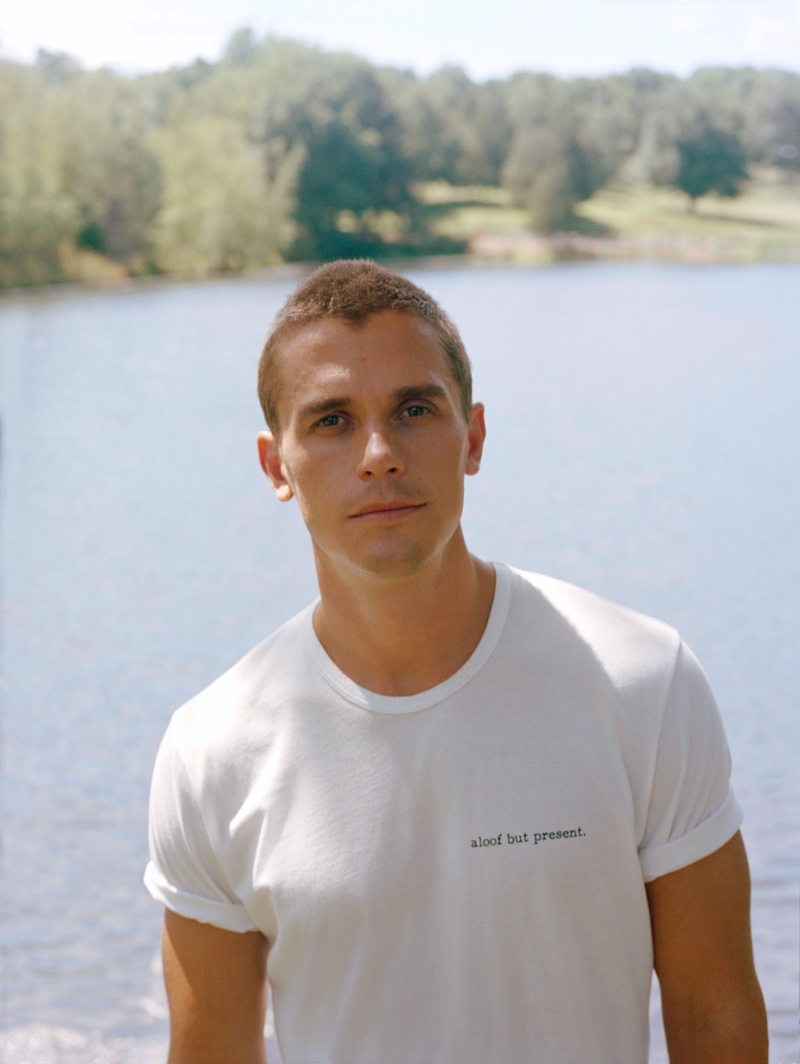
x=280 y=151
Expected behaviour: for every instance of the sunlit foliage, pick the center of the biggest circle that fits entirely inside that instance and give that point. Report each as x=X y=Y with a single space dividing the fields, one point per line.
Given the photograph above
x=281 y=151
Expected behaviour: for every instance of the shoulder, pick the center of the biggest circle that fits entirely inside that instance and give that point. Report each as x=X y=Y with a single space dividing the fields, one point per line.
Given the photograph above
x=229 y=722
x=217 y=747
x=570 y=625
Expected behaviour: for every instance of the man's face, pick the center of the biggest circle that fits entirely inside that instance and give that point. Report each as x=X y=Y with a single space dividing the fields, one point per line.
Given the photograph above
x=373 y=443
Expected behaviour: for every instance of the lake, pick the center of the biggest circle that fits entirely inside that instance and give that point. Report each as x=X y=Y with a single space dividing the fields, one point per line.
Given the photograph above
x=642 y=441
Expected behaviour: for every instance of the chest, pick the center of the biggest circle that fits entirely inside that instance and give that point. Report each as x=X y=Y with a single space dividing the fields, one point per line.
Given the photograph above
x=393 y=816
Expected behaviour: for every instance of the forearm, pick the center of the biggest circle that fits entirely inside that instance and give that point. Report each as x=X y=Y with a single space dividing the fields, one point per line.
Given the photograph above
x=736 y=1034
x=197 y=1048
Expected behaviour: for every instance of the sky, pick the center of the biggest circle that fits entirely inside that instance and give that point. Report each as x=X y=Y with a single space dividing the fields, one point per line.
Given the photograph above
x=490 y=38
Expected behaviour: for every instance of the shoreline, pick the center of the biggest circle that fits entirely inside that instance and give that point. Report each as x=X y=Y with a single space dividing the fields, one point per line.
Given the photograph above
x=487 y=250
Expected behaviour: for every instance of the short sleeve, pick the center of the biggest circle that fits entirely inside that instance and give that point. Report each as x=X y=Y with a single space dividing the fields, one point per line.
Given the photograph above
x=184 y=873
x=692 y=809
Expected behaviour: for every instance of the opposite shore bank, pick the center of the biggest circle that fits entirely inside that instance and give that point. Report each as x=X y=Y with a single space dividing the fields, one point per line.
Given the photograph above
x=501 y=249
x=626 y=222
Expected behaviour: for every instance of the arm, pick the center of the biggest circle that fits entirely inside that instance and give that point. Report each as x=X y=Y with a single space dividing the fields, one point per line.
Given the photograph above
x=217 y=991
x=713 y=1008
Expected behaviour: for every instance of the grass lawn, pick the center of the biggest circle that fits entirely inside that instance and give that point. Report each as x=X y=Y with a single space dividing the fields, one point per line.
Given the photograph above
x=629 y=220
x=459 y=212
x=767 y=214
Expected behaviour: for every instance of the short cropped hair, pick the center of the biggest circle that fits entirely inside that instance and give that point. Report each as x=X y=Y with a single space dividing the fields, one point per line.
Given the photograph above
x=352 y=290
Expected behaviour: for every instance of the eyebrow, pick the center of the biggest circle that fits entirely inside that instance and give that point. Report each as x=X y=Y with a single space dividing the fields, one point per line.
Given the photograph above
x=400 y=395
x=324 y=406
x=419 y=391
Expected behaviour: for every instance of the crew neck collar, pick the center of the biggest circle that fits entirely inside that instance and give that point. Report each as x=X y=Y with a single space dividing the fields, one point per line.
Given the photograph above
x=367 y=699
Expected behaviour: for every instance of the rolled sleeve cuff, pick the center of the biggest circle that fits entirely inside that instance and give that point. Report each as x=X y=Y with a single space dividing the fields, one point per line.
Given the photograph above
x=701 y=841
x=223 y=914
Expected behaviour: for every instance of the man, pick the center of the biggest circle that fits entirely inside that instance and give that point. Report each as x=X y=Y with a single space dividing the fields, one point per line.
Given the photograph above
x=464 y=810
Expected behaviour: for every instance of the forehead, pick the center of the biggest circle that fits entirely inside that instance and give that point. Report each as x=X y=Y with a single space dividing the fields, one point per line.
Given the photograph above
x=389 y=349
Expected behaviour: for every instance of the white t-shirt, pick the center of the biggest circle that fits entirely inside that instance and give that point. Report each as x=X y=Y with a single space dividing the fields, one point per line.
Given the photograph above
x=457 y=876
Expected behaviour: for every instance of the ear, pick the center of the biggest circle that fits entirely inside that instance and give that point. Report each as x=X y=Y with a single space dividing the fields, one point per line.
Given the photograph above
x=475 y=439
x=270 y=460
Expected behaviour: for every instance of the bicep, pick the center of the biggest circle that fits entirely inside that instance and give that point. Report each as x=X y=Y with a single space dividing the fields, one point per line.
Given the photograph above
x=703 y=953
x=216 y=984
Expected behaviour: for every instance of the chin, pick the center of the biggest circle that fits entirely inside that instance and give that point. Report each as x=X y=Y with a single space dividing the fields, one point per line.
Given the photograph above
x=397 y=564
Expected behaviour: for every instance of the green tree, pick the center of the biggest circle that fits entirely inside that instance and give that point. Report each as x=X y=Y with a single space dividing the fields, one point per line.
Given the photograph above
x=354 y=171
x=110 y=173
x=242 y=47
x=570 y=138
x=494 y=133
x=606 y=116
x=784 y=149
x=771 y=130
x=37 y=214
x=281 y=149
x=692 y=145
x=710 y=160
x=221 y=208
x=453 y=129
x=547 y=173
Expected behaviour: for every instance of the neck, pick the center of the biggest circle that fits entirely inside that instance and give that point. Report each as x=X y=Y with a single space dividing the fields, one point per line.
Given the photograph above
x=400 y=636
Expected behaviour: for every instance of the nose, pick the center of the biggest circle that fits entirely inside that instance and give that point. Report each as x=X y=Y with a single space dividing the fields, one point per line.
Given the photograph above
x=380 y=458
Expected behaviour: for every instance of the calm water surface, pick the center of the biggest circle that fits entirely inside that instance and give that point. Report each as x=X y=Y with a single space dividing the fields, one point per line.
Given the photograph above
x=643 y=441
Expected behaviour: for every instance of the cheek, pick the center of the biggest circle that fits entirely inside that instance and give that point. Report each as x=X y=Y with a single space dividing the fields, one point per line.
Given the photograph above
x=296 y=467
x=313 y=487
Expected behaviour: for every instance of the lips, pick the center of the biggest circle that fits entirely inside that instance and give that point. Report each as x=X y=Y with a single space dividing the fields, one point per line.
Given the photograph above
x=387 y=509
